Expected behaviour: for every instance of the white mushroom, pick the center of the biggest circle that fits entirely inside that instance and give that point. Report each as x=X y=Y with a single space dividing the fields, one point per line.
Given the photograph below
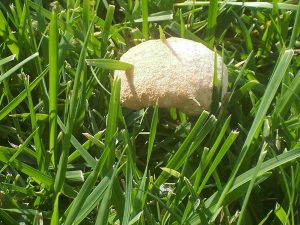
x=175 y=72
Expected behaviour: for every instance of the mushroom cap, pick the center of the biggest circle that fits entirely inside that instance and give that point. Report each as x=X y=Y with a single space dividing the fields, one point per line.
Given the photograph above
x=175 y=72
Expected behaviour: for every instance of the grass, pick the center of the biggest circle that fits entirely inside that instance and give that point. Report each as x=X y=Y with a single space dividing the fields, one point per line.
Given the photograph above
x=70 y=154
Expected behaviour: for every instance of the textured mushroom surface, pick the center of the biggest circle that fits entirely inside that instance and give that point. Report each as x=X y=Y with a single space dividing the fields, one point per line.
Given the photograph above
x=175 y=73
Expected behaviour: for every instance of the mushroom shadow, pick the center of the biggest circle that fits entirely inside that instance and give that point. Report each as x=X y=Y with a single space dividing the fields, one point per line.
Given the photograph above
x=130 y=80
x=172 y=50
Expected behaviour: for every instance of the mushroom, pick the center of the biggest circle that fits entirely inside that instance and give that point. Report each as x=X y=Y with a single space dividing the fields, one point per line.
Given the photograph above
x=173 y=72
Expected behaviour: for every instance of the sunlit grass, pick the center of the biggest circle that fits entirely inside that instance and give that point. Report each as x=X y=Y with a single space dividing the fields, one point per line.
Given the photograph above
x=70 y=154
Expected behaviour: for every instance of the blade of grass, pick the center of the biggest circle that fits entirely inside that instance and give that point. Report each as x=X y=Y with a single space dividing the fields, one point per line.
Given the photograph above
x=207 y=127
x=128 y=193
x=9 y=96
x=93 y=199
x=103 y=212
x=212 y=21
x=135 y=219
x=145 y=28
x=40 y=151
x=98 y=81
x=55 y=214
x=267 y=166
x=182 y=24
x=216 y=86
x=265 y=218
x=180 y=154
x=246 y=33
x=9 y=220
x=241 y=72
x=18 y=8
x=80 y=150
x=140 y=196
x=35 y=48
x=20 y=149
x=277 y=76
x=250 y=187
x=22 y=38
x=42 y=46
x=225 y=147
x=18 y=189
x=213 y=149
x=247 y=176
x=295 y=31
x=179 y=29
x=108 y=154
x=263 y=5
x=159 y=16
x=95 y=141
x=285 y=100
x=129 y=178
x=7 y=59
x=62 y=165
x=111 y=126
x=106 y=28
x=83 y=193
x=17 y=100
x=281 y=214
x=109 y=64
x=152 y=133
x=176 y=215
x=8 y=36
x=81 y=108
x=85 y=15
x=18 y=66
x=88 y=185
x=36 y=175
x=53 y=87
x=162 y=36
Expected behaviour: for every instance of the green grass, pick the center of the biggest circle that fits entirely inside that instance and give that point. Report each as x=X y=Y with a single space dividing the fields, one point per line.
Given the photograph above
x=70 y=154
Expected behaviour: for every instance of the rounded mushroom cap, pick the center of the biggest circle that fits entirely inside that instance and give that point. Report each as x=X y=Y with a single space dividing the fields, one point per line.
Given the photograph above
x=175 y=73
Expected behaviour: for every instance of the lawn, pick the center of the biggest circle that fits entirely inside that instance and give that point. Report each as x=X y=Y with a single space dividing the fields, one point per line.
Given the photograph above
x=71 y=154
